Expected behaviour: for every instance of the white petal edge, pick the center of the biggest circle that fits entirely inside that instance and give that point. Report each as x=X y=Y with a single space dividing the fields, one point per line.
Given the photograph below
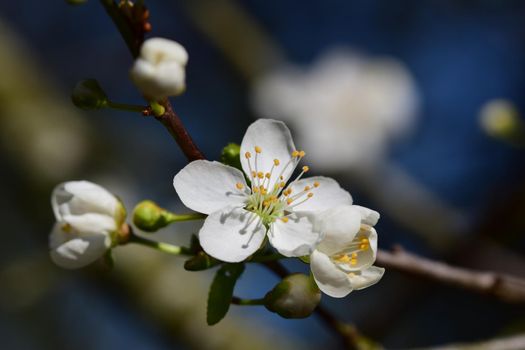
x=232 y=234
x=327 y=195
x=275 y=140
x=339 y=227
x=368 y=216
x=72 y=252
x=206 y=186
x=79 y=197
x=328 y=277
x=296 y=237
x=367 y=277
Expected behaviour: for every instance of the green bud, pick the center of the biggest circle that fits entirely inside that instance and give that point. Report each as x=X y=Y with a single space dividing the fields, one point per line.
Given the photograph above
x=88 y=95
x=149 y=217
x=296 y=296
x=201 y=261
x=231 y=155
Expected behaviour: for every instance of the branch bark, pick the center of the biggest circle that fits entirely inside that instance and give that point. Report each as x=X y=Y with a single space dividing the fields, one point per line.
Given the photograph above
x=516 y=342
x=134 y=39
x=501 y=286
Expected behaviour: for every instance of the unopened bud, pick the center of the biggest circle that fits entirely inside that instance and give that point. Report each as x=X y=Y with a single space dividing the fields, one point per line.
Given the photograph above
x=88 y=95
x=231 y=155
x=296 y=296
x=149 y=217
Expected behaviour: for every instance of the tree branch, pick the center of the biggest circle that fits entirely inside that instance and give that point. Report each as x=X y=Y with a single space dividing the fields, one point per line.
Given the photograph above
x=516 y=342
x=501 y=286
x=134 y=38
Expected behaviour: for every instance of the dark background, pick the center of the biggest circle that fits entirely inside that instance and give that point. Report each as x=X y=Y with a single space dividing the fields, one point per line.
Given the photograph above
x=461 y=54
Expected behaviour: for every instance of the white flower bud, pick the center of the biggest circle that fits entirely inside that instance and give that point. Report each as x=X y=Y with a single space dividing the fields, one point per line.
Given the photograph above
x=159 y=71
x=88 y=217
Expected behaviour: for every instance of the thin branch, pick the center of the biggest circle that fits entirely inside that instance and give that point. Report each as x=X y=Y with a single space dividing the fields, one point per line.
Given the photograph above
x=240 y=301
x=516 y=342
x=134 y=39
x=501 y=286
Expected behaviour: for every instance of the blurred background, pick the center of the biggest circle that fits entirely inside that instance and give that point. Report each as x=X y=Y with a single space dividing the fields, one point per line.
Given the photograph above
x=406 y=103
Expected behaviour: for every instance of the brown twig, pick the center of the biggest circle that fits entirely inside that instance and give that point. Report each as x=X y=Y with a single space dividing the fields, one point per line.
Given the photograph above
x=127 y=25
x=501 y=286
x=515 y=342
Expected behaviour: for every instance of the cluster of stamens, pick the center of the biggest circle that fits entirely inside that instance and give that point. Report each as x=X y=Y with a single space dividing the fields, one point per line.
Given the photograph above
x=361 y=243
x=274 y=201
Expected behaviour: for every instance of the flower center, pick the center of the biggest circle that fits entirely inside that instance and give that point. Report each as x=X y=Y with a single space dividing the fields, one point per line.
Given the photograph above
x=349 y=256
x=272 y=201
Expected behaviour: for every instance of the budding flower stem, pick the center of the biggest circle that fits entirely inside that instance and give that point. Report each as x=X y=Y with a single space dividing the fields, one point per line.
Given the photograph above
x=161 y=246
x=126 y=107
x=249 y=302
x=186 y=217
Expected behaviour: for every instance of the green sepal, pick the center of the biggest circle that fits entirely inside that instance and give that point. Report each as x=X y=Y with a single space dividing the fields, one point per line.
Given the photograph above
x=201 y=261
x=305 y=259
x=230 y=155
x=221 y=292
x=88 y=95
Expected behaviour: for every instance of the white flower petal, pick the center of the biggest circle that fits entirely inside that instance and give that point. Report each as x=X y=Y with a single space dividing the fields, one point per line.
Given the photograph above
x=232 y=234
x=206 y=186
x=275 y=141
x=327 y=195
x=79 y=197
x=295 y=237
x=328 y=277
x=90 y=224
x=368 y=216
x=158 y=50
x=366 y=277
x=72 y=252
x=339 y=227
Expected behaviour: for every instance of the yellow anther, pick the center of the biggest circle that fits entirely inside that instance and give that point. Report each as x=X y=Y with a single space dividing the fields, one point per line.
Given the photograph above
x=254 y=174
x=281 y=177
x=248 y=155
x=363 y=247
x=310 y=195
x=260 y=174
x=289 y=201
x=354 y=255
x=263 y=191
x=316 y=184
x=67 y=228
x=258 y=149
x=284 y=219
x=266 y=203
x=306 y=168
x=307 y=188
x=239 y=186
x=276 y=162
x=267 y=175
x=295 y=154
x=364 y=240
x=353 y=261
x=273 y=198
x=302 y=154
x=344 y=259
x=281 y=185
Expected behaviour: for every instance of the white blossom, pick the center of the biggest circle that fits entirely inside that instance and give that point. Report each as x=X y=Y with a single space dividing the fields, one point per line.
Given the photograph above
x=87 y=216
x=345 y=108
x=159 y=71
x=240 y=215
x=343 y=260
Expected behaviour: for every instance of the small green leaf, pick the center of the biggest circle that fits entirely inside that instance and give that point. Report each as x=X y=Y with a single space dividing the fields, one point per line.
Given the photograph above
x=221 y=292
